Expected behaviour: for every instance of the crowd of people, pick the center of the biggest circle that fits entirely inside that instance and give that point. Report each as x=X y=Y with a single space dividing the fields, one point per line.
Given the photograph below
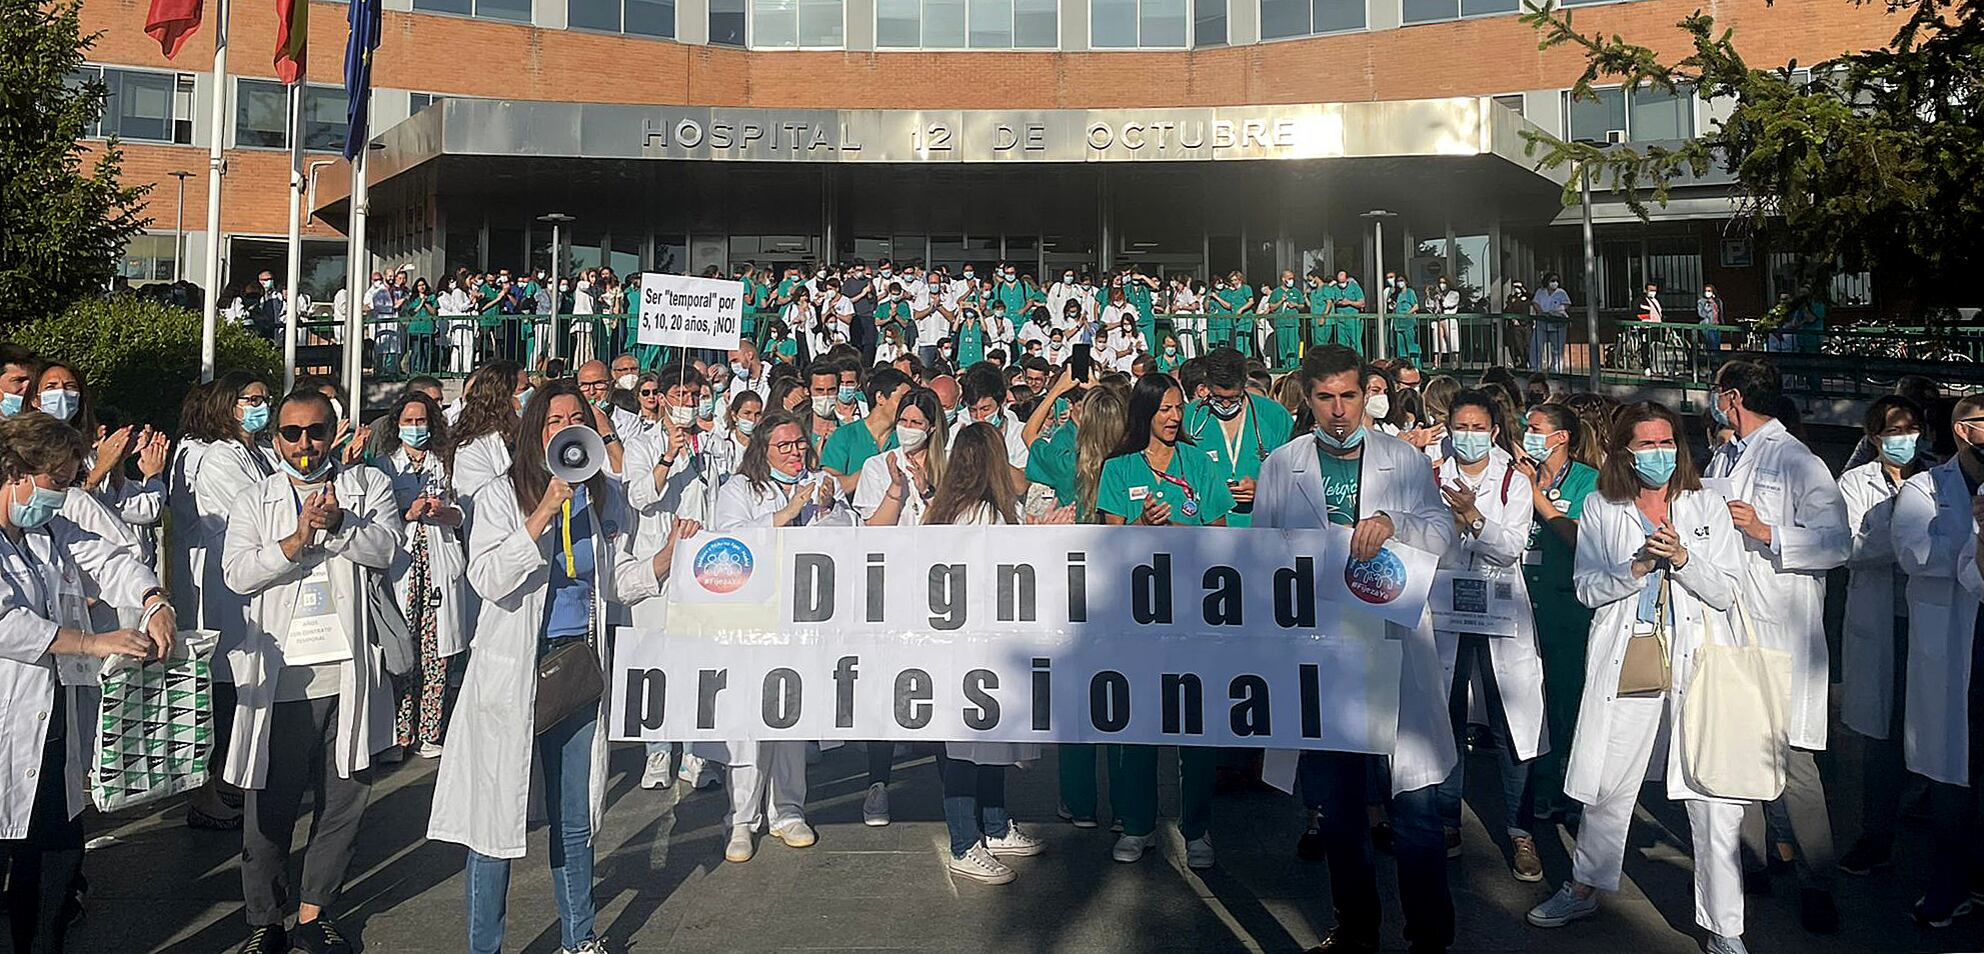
x=311 y=538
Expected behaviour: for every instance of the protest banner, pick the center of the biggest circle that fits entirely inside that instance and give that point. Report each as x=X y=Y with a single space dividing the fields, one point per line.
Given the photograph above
x=683 y=311
x=1195 y=636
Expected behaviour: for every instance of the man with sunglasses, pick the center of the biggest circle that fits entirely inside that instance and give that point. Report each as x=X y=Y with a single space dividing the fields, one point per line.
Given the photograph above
x=313 y=704
x=1235 y=429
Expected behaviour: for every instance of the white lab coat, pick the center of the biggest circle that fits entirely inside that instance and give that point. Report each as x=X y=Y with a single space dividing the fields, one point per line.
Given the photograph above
x=1395 y=480
x=1699 y=599
x=226 y=471
x=64 y=565
x=1866 y=659
x=1784 y=583
x=477 y=465
x=483 y=788
x=447 y=564
x=1935 y=541
x=1504 y=502
x=253 y=564
x=186 y=547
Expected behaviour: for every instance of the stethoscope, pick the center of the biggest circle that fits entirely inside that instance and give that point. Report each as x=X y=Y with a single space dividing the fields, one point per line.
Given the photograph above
x=1247 y=418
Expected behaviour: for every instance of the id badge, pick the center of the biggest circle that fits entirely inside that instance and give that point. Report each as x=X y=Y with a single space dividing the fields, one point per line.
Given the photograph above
x=1475 y=601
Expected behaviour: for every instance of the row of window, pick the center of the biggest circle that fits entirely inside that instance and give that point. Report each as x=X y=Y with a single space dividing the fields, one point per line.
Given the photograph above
x=141 y=104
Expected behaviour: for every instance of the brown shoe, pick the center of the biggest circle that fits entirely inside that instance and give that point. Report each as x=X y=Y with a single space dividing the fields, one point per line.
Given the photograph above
x=1526 y=866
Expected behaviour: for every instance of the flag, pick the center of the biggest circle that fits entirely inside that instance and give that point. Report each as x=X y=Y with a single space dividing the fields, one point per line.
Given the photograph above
x=292 y=39
x=364 y=16
x=170 y=22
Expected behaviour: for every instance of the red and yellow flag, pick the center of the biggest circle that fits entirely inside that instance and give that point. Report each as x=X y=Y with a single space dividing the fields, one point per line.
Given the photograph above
x=292 y=39
x=171 y=22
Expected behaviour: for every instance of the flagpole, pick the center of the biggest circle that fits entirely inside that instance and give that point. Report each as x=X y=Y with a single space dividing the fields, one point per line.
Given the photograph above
x=357 y=271
x=294 y=264
x=216 y=134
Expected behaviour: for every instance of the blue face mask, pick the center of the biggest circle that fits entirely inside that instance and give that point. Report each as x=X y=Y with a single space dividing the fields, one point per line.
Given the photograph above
x=1350 y=440
x=523 y=400
x=415 y=435
x=1715 y=411
x=746 y=427
x=1899 y=449
x=706 y=408
x=254 y=419
x=849 y=394
x=950 y=415
x=1471 y=446
x=41 y=507
x=316 y=474
x=59 y=404
x=785 y=478
x=1537 y=446
x=10 y=405
x=1654 y=466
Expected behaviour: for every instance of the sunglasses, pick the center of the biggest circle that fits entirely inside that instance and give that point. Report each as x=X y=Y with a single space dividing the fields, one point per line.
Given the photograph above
x=650 y=392
x=296 y=432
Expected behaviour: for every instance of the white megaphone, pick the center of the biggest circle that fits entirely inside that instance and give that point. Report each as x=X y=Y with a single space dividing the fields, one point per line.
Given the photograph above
x=575 y=454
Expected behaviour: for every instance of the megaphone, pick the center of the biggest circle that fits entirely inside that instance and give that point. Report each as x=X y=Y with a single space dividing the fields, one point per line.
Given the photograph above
x=575 y=454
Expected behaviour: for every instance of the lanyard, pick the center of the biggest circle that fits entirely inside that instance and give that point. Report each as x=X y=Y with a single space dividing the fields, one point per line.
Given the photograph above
x=1232 y=445
x=1190 y=507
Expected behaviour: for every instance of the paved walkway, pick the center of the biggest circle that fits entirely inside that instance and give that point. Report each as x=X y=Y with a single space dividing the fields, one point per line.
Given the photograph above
x=663 y=885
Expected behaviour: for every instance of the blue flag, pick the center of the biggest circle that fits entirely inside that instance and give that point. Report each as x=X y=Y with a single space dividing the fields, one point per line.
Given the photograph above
x=364 y=17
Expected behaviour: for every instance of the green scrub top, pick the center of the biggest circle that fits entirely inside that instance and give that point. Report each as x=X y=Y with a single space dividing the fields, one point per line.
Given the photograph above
x=1546 y=565
x=1188 y=463
x=971 y=344
x=422 y=309
x=1405 y=301
x=787 y=347
x=1265 y=426
x=1013 y=294
x=1342 y=485
x=1169 y=361
x=1051 y=461
x=1284 y=298
x=850 y=446
x=898 y=313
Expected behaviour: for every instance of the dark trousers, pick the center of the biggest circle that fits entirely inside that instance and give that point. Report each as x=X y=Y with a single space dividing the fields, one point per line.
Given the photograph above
x=1956 y=812
x=1335 y=782
x=40 y=868
x=302 y=756
x=1884 y=768
x=881 y=761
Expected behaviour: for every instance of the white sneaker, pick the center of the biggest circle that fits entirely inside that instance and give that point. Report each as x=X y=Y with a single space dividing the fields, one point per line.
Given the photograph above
x=741 y=846
x=1069 y=817
x=979 y=865
x=428 y=750
x=795 y=833
x=1198 y=853
x=658 y=774
x=1131 y=848
x=1015 y=844
x=696 y=771
x=875 y=807
x=1564 y=907
x=588 y=946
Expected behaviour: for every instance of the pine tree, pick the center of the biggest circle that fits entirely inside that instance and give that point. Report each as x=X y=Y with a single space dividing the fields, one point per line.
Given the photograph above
x=1870 y=161
x=62 y=226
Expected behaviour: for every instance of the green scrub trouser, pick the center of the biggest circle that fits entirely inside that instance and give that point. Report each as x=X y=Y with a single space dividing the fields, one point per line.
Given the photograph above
x=1133 y=788
x=1287 y=339
x=1405 y=338
x=1563 y=629
x=1348 y=332
x=1078 y=779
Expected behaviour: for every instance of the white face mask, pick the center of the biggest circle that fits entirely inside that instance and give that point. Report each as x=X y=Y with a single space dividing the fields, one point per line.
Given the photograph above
x=911 y=438
x=681 y=416
x=1379 y=406
x=627 y=381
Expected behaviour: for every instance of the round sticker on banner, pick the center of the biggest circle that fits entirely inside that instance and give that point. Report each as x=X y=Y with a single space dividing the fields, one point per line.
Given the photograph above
x=1378 y=580
x=723 y=565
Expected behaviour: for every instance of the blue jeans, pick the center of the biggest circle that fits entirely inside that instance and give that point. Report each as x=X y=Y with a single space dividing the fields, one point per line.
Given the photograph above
x=566 y=754
x=974 y=802
x=1473 y=655
x=1547 y=343
x=1335 y=782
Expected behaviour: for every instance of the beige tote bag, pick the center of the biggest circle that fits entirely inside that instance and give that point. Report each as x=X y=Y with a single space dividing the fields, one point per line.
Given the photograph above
x=1733 y=722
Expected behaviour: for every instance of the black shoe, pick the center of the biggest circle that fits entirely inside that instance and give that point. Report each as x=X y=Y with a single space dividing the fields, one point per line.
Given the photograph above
x=320 y=937
x=1341 y=943
x=1309 y=847
x=1940 y=919
x=1381 y=836
x=196 y=818
x=1865 y=856
x=1817 y=912
x=268 y=939
x=1756 y=881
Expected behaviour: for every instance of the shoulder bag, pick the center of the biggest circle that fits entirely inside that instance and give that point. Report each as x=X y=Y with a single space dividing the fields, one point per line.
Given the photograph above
x=1733 y=720
x=1645 y=671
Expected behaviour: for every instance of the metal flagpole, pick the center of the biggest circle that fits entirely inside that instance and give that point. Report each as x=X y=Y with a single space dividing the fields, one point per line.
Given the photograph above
x=357 y=271
x=294 y=263
x=179 y=231
x=216 y=167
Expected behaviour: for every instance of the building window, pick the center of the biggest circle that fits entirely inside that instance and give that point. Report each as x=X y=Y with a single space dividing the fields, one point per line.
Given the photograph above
x=261 y=116
x=958 y=24
x=148 y=258
x=415 y=102
x=1645 y=115
x=141 y=105
x=642 y=17
x=1209 y=23
x=727 y=22
x=1286 y=18
x=1512 y=101
x=796 y=24
x=1130 y=24
x=1429 y=11
x=514 y=10
x=1849 y=289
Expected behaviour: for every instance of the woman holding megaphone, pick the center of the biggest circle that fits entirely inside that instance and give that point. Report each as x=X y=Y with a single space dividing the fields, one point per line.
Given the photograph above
x=547 y=555
x=778 y=484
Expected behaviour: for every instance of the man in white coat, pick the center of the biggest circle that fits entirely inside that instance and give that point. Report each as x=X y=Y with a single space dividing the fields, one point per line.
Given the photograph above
x=313 y=700
x=1787 y=505
x=1381 y=488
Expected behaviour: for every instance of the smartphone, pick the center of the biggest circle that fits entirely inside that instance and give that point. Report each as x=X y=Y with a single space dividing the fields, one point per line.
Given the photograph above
x=1080 y=362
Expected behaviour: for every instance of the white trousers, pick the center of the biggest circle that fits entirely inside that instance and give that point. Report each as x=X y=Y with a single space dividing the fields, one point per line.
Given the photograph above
x=1716 y=826
x=1446 y=335
x=776 y=775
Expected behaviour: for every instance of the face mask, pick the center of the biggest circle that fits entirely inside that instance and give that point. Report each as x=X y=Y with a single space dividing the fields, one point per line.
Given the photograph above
x=523 y=398
x=1899 y=449
x=1349 y=440
x=1171 y=352
x=682 y=416
x=1068 y=279
x=887 y=272
x=967 y=274
x=823 y=406
x=1288 y=283
x=1553 y=286
x=1379 y=406
x=60 y=405
x=1654 y=466
x=1715 y=411
x=415 y=435
x=1709 y=295
x=946 y=352
x=1471 y=446
x=911 y=438
x=253 y=419
x=41 y=507
x=1224 y=410
x=746 y=427
x=10 y=404
x=848 y=394
x=783 y=477
x=720 y=385
x=996 y=420
x=950 y=415
x=706 y=409
x=316 y=474
x=627 y=381
x=1537 y=446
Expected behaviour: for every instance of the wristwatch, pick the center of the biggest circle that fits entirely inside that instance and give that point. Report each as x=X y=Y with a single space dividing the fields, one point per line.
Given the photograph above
x=1479 y=524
